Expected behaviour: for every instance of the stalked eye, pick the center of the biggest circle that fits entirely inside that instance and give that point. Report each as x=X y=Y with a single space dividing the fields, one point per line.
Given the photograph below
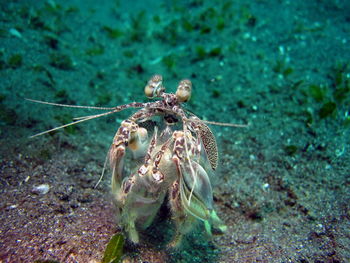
x=154 y=87
x=183 y=92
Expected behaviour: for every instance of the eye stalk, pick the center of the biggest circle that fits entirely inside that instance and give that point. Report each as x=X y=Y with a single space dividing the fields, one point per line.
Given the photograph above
x=154 y=87
x=184 y=89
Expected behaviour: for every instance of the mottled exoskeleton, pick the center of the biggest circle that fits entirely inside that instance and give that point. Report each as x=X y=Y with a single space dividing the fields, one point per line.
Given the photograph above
x=170 y=158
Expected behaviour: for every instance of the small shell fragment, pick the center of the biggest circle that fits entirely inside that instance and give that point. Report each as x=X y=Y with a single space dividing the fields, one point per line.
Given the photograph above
x=14 y=32
x=41 y=189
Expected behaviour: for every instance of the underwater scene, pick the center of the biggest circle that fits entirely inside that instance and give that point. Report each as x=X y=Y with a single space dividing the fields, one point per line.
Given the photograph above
x=175 y=131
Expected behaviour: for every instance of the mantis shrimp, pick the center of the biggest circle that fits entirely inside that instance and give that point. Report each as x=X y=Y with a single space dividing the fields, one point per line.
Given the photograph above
x=171 y=151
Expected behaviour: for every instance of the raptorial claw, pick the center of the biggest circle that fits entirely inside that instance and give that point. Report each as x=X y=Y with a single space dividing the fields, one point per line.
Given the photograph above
x=128 y=135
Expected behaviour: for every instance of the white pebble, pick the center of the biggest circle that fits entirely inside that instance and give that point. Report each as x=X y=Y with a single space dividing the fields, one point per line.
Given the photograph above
x=41 y=189
x=15 y=33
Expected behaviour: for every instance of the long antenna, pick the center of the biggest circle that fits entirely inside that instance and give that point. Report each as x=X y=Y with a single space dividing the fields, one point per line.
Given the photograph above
x=227 y=124
x=73 y=123
x=70 y=106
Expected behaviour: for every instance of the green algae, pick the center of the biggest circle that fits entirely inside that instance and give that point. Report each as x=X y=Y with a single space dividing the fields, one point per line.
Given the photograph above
x=114 y=249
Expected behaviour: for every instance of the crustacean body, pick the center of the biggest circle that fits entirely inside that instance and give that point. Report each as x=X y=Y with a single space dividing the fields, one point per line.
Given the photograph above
x=171 y=150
